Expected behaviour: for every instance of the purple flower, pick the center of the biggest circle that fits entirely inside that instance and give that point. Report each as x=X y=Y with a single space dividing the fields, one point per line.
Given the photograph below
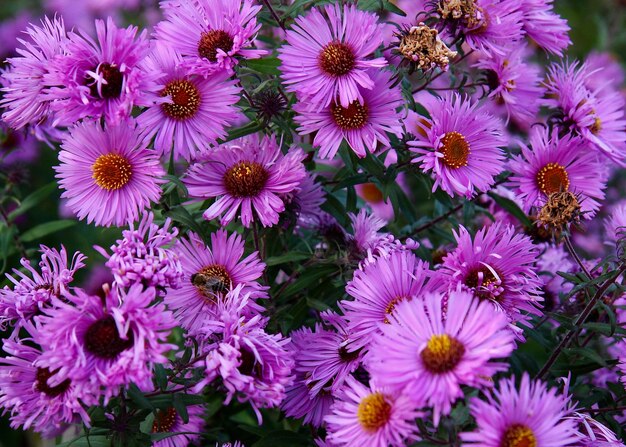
x=615 y=225
x=460 y=146
x=34 y=291
x=596 y=114
x=326 y=58
x=327 y=366
x=554 y=164
x=23 y=95
x=363 y=123
x=253 y=366
x=190 y=112
x=100 y=78
x=496 y=265
x=108 y=174
x=32 y=395
x=514 y=83
x=169 y=421
x=251 y=174
x=592 y=433
x=300 y=402
x=530 y=415
x=378 y=289
x=111 y=342
x=544 y=26
x=306 y=202
x=456 y=338
x=210 y=272
x=143 y=255
x=210 y=35
x=371 y=416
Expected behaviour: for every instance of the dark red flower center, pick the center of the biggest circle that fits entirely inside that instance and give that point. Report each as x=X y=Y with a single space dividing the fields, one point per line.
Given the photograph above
x=42 y=376
x=353 y=117
x=245 y=179
x=347 y=356
x=373 y=412
x=211 y=279
x=518 y=435
x=553 y=178
x=103 y=340
x=337 y=59
x=164 y=421
x=114 y=81
x=442 y=353
x=211 y=41
x=185 y=98
x=249 y=365
x=455 y=150
x=111 y=171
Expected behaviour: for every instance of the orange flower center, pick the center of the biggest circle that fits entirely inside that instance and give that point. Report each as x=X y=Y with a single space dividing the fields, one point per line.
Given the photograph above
x=164 y=421
x=371 y=193
x=353 y=117
x=518 y=435
x=211 y=279
x=111 y=171
x=553 y=178
x=455 y=150
x=245 y=179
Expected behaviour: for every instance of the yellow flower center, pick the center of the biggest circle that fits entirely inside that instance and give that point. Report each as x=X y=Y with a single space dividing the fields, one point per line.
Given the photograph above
x=373 y=412
x=245 y=179
x=442 y=353
x=518 y=435
x=353 y=117
x=185 y=98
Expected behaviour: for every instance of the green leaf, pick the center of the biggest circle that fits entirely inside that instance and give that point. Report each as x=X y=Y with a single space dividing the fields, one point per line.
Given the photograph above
x=33 y=200
x=161 y=376
x=247 y=129
x=310 y=277
x=266 y=65
x=180 y=214
x=47 y=228
x=511 y=207
x=289 y=257
x=180 y=408
x=283 y=438
x=136 y=395
x=88 y=441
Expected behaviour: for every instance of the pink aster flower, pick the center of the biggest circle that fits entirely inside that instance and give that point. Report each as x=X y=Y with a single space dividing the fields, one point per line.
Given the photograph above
x=29 y=395
x=496 y=265
x=169 y=421
x=515 y=84
x=363 y=123
x=532 y=414
x=209 y=272
x=306 y=201
x=251 y=174
x=328 y=365
x=371 y=416
x=189 y=112
x=301 y=403
x=460 y=146
x=108 y=174
x=615 y=225
x=378 y=289
x=33 y=291
x=596 y=114
x=554 y=164
x=110 y=342
x=210 y=35
x=253 y=366
x=24 y=81
x=456 y=338
x=546 y=28
x=144 y=255
x=102 y=77
x=326 y=58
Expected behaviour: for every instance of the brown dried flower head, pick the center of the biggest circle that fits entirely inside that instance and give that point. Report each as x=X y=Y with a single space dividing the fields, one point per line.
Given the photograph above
x=421 y=45
x=561 y=209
